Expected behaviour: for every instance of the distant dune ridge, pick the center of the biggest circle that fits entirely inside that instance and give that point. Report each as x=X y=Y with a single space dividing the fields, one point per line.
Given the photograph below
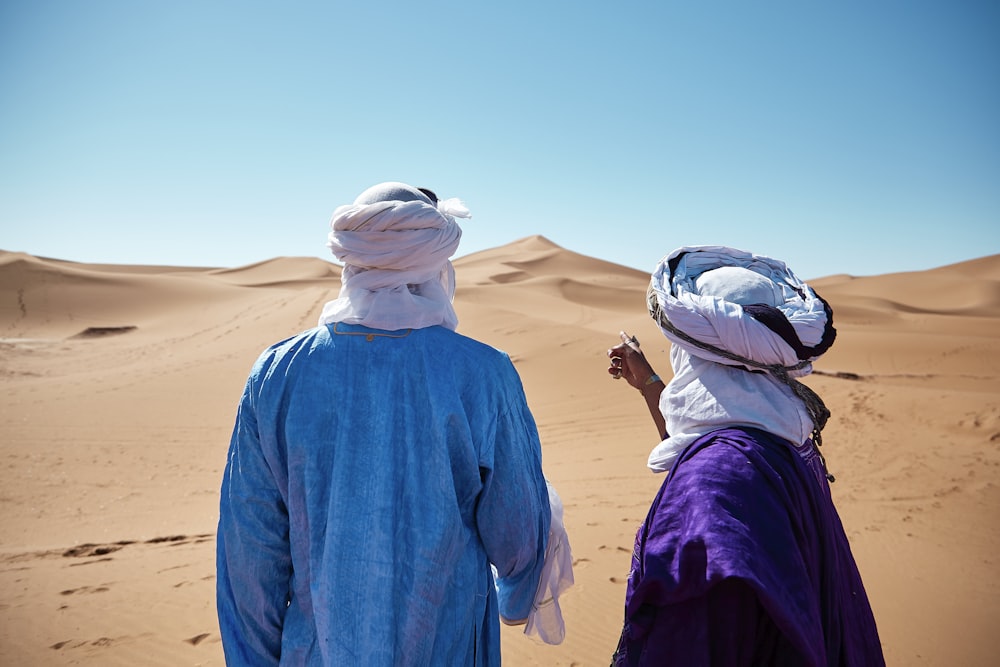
x=119 y=386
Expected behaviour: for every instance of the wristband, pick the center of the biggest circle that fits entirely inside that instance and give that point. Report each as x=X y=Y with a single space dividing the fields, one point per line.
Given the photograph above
x=653 y=378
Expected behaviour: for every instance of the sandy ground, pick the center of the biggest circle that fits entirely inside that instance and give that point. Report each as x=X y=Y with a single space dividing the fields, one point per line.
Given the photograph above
x=118 y=387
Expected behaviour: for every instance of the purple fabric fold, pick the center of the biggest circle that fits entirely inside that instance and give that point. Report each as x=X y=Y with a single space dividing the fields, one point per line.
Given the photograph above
x=743 y=560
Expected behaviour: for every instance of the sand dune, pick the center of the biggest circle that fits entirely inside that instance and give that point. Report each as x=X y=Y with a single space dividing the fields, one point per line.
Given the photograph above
x=114 y=441
x=282 y=271
x=949 y=290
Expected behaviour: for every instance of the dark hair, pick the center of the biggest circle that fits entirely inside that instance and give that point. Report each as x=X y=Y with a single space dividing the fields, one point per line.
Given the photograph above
x=430 y=193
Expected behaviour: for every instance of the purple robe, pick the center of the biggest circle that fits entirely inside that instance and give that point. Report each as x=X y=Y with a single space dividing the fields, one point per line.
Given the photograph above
x=743 y=560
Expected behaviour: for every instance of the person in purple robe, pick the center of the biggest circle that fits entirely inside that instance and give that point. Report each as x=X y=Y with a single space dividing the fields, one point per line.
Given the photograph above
x=742 y=559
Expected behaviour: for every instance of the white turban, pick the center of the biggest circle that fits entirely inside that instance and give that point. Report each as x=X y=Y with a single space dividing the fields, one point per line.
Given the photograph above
x=742 y=327
x=713 y=300
x=397 y=273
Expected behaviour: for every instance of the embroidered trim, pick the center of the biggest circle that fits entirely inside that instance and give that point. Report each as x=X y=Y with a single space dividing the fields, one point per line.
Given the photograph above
x=369 y=336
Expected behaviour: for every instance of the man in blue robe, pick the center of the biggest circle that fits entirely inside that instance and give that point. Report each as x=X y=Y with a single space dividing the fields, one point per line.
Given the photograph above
x=742 y=560
x=380 y=463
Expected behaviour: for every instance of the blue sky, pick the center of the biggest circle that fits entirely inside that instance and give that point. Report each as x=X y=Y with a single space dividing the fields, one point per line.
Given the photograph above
x=842 y=137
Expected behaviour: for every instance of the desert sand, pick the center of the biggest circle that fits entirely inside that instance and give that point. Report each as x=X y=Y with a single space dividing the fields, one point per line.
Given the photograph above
x=118 y=389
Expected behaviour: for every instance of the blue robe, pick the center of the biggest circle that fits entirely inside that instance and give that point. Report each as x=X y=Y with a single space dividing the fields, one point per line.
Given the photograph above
x=370 y=483
x=743 y=561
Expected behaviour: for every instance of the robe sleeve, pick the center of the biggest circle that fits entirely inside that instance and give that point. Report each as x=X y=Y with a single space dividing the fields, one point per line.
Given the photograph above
x=513 y=513
x=253 y=554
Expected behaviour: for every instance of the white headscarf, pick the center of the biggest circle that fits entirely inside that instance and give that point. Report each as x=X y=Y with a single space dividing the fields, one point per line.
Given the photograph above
x=741 y=326
x=397 y=273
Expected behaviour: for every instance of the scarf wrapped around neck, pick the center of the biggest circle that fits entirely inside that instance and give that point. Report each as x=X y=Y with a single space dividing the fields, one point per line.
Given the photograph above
x=742 y=328
x=397 y=273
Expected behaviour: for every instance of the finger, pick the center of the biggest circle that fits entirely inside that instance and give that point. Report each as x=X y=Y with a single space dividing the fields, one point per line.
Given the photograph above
x=630 y=342
x=627 y=339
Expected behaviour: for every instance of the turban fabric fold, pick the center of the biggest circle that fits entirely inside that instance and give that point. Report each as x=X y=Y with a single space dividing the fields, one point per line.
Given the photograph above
x=699 y=306
x=397 y=272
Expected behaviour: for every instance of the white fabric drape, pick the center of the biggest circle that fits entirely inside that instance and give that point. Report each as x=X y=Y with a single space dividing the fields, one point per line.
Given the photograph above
x=545 y=620
x=709 y=391
x=397 y=273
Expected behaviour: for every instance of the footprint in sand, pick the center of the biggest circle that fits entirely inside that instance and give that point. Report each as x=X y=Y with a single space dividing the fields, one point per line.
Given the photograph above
x=71 y=643
x=85 y=589
x=88 y=550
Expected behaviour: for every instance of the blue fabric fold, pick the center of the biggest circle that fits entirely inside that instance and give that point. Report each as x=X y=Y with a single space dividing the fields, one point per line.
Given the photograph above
x=372 y=478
